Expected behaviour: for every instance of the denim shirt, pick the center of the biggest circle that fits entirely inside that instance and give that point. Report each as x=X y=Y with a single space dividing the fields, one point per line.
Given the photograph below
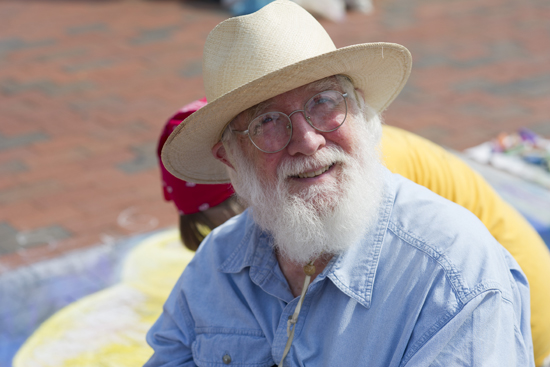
x=427 y=286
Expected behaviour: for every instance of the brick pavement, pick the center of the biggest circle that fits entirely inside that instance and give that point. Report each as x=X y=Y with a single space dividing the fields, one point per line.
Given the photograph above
x=85 y=87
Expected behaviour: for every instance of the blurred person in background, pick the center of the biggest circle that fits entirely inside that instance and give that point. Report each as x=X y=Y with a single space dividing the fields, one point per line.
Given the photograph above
x=334 y=10
x=201 y=208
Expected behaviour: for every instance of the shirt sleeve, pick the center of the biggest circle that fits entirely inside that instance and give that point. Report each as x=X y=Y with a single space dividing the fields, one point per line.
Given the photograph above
x=172 y=335
x=488 y=331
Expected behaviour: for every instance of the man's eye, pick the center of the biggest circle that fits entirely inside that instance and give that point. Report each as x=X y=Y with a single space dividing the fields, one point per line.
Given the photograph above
x=322 y=100
x=266 y=120
x=328 y=98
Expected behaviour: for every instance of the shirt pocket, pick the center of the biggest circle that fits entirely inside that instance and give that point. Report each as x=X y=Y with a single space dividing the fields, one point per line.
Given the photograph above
x=246 y=348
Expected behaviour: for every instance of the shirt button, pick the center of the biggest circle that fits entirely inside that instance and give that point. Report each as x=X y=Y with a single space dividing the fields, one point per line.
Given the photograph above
x=226 y=359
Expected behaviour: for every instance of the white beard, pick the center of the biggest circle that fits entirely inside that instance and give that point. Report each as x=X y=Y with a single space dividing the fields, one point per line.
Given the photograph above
x=324 y=218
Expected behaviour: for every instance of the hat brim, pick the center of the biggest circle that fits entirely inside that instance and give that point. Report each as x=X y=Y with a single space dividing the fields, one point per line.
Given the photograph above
x=380 y=70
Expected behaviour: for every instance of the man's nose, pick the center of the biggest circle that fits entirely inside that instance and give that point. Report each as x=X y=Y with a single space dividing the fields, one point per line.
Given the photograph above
x=305 y=139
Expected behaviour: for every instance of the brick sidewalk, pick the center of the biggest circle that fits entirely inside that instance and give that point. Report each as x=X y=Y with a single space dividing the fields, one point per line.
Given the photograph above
x=85 y=87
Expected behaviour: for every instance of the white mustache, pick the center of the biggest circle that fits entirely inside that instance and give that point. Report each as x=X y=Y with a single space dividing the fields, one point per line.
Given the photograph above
x=325 y=157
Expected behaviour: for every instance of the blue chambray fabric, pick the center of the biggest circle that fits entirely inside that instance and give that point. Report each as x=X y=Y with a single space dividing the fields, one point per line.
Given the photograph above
x=427 y=286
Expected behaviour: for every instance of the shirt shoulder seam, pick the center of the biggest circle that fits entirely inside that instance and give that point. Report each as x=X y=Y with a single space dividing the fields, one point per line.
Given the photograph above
x=463 y=292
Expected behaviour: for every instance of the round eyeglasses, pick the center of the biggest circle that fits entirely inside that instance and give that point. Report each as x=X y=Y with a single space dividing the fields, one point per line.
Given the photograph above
x=271 y=132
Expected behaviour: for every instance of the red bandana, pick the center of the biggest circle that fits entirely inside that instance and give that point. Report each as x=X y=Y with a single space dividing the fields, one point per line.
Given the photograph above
x=187 y=196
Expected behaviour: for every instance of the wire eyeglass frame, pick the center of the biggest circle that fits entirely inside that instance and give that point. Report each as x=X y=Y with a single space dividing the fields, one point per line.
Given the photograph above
x=289 y=126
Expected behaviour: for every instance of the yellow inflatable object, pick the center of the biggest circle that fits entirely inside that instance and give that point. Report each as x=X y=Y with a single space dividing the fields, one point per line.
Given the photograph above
x=431 y=166
x=108 y=328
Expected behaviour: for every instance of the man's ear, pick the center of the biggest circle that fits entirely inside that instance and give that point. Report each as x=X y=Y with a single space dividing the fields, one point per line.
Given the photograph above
x=220 y=154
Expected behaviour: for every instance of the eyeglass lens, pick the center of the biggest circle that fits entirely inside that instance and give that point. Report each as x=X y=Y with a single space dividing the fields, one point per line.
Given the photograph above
x=325 y=111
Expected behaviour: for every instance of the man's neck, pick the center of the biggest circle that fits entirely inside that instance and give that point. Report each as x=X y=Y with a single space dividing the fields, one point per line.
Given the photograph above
x=294 y=273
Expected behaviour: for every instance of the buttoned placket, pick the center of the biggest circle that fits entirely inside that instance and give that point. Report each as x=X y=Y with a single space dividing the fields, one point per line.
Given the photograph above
x=271 y=283
x=281 y=335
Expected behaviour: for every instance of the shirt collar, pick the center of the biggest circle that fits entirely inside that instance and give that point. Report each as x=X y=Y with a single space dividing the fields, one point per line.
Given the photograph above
x=353 y=272
x=245 y=254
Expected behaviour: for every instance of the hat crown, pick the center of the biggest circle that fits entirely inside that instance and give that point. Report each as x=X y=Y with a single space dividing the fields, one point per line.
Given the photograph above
x=243 y=49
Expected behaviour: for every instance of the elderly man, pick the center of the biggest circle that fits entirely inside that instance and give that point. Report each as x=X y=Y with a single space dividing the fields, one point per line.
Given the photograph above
x=337 y=262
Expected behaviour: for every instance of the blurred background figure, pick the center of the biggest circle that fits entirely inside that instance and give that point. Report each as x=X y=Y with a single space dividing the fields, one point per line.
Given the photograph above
x=334 y=10
x=201 y=208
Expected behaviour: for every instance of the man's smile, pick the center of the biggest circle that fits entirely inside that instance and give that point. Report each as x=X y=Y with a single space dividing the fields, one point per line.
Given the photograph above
x=315 y=173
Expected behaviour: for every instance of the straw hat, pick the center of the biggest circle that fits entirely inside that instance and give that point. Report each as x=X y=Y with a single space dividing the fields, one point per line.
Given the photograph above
x=255 y=57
